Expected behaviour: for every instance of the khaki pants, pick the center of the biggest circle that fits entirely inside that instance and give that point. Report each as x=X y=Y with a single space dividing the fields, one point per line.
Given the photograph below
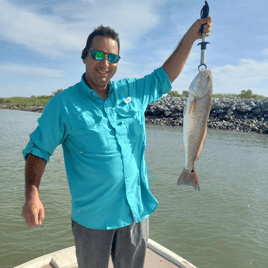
x=126 y=245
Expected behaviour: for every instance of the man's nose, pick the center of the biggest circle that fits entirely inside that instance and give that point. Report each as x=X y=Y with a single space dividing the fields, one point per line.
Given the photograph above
x=105 y=61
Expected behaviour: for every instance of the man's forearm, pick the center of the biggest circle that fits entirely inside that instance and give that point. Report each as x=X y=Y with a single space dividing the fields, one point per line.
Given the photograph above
x=34 y=170
x=175 y=63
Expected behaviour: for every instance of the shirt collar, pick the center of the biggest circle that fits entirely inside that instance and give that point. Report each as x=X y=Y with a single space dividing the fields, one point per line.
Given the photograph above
x=91 y=93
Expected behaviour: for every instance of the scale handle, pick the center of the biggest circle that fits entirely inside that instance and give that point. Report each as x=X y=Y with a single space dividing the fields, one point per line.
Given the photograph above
x=204 y=14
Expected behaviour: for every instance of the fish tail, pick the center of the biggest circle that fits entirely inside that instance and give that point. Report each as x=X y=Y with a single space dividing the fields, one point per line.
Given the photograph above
x=189 y=177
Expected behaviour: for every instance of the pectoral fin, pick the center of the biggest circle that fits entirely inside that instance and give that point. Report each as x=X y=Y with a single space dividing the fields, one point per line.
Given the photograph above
x=202 y=144
x=184 y=110
x=192 y=105
x=182 y=148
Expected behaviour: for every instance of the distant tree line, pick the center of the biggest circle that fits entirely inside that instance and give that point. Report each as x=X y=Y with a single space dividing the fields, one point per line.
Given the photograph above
x=57 y=92
x=43 y=100
x=33 y=101
x=245 y=94
x=176 y=94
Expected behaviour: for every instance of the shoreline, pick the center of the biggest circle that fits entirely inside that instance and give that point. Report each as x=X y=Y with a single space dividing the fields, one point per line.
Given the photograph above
x=25 y=108
x=244 y=115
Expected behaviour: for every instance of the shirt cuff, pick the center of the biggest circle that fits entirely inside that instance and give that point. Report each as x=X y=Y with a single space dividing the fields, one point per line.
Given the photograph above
x=31 y=148
x=165 y=80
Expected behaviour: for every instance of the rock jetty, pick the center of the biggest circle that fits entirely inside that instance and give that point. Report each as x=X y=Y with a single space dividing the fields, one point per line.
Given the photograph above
x=245 y=115
x=26 y=108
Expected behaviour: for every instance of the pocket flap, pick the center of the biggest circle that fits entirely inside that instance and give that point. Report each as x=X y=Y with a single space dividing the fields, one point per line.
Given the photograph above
x=83 y=122
x=126 y=109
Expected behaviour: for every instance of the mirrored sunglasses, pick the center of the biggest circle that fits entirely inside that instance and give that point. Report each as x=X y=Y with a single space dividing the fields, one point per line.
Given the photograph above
x=100 y=55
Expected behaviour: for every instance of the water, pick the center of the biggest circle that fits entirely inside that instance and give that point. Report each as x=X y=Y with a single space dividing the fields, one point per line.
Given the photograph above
x=223 y=225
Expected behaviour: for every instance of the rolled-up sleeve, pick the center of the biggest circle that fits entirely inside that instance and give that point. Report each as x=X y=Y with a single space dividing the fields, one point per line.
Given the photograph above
x=154 y=85
x=50 y=132
x=148 y=89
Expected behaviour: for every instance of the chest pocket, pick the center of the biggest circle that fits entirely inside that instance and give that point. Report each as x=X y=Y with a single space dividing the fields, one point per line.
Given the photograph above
x=129 y=120
x=88 y=136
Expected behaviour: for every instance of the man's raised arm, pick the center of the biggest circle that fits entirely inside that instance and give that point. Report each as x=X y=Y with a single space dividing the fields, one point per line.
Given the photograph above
x=175 y=63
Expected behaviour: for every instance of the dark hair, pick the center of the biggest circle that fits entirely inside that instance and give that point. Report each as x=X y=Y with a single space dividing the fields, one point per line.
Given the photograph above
x=101 y=31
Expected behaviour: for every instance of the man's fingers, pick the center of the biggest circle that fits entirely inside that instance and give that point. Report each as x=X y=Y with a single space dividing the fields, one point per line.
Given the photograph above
x=207 y=31
x=41 y=216
x=34 y=219
x=33 y=216
x=206 y=20
x=207 y=28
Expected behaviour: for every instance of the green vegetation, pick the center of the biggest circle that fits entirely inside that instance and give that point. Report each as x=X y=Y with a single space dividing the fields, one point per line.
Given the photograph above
x=33 y=101
x=249 y=94
x=57 y=92
x=244 y=94
x=176 y=94
x=43 y=100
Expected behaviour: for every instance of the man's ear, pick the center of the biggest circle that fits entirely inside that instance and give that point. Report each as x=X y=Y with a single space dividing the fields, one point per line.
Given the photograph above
x=84 y=60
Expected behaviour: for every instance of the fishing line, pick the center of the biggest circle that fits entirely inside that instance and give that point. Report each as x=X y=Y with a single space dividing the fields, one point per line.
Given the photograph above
x=43 y=238
x=42 y=227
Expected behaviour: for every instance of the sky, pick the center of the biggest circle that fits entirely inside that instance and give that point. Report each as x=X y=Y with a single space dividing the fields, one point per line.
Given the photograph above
x=41 y=42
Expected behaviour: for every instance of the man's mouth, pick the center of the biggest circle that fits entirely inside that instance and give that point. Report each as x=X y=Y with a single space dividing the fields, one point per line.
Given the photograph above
x=102 y=72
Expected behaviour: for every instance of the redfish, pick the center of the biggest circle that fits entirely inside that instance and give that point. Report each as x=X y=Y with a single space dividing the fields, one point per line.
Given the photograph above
x=196 y=113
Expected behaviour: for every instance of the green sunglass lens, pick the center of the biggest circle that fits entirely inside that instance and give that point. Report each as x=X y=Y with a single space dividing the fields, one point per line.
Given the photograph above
x=113 y=58
x=99 y=55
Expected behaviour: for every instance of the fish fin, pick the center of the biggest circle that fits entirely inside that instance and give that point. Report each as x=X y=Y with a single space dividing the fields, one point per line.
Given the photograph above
x=182 y=148
x=189 y=178
x=192 y=105
x=202 y=144
x=184 y=110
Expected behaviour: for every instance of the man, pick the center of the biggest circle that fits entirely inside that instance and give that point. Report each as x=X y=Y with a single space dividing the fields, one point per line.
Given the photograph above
x=101 y=127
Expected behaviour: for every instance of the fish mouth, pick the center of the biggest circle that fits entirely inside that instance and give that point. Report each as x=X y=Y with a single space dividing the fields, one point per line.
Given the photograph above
x=208 y=71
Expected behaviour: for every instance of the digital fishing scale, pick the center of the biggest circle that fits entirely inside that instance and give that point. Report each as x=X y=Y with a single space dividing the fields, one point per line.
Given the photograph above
x=204 y=14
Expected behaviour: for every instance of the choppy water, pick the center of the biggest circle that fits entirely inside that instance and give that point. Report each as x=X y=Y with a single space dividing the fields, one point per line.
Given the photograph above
x=223 y=225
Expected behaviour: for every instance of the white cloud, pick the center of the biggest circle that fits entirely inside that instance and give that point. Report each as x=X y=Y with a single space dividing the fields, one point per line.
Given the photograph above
x=31 y=70
x=66 y=28
x=46 y=34
x=248 y=74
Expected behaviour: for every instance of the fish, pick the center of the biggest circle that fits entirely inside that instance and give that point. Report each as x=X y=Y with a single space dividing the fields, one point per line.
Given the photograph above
x=196 y=113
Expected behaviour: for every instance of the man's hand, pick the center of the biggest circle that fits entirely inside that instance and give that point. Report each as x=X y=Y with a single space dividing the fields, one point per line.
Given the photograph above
x=174 y=64
x=33 y=211
x=194 y=29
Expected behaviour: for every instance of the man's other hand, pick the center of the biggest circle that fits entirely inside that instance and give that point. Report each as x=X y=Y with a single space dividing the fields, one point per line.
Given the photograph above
x=33 y=211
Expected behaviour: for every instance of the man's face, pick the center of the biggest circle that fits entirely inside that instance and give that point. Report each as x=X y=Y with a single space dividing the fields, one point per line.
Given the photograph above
x=99 y=73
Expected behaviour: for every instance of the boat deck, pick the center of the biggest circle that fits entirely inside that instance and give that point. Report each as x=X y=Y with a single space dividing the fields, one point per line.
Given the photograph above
x=157 y=256
x=152 y=260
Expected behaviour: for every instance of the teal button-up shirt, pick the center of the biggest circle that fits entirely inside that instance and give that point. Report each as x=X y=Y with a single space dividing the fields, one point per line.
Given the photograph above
x=104 y=144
